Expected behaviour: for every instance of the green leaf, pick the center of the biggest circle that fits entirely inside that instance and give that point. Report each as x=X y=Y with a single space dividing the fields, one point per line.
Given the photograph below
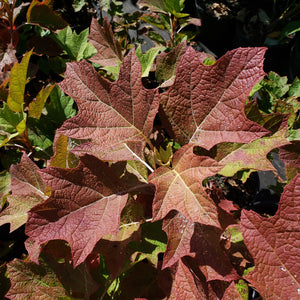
x=253 y=156
x=36 y=107
x=63 y=157
x=154 y=241
x=16 y=212
x=147 y=59
x=294 y=135
x=4 y=187
x=18 y=75
x=41 y=12
x=242 y=288
x=41 y=133
x=78 y=5
x=76 y=45
x=295 y=88
x=60 y=107
x=168 y=6
x=11 y=124
x=290 y=28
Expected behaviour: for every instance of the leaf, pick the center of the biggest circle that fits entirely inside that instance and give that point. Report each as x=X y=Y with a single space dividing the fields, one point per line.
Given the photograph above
x=76 y=45
x=11 y=124
x=153 y=241
x=60 y=107
x=205 y=105
x=85 y=204
x=231 y=293
x=108 y=48
x=253 y=156
x=180 y=188
x=36 y=107
x=7 y=61
x=78 y=4
x=28 y=190
x=16 y=212
x=290 y=155
x=40 y=134
x=186 y=285
x=41 y=13
x=113 y=247
x=18 y=76
x=4 y=186
x=63 y=157
x=48 y=280
x=166 y=63
x=147 y=59
x=201 y=242
x=117 y=117
x=167 y=6
x=275 y=246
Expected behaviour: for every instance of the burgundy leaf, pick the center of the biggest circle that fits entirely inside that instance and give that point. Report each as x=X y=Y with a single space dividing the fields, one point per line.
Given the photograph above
x=117 y=117
x=28 y=190
x=186 y=285
x=85 y=204
x=180 y=188
x=290 y=155
x=201 y=242
x=25 y=178
x=275 y=246
x=113 y=248
x=49 y=280
x=103 y=39
x=231 y=293
x=179 y=231
x=205 y=105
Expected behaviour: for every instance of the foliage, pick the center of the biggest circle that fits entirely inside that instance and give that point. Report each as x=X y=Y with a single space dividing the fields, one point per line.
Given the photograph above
x=111 y=157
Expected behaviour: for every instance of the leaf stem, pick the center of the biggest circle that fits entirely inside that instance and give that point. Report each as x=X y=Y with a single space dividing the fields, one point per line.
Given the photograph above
x=139 y=159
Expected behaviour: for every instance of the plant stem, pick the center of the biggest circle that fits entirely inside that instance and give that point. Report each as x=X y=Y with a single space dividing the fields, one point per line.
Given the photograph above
x=139 y=159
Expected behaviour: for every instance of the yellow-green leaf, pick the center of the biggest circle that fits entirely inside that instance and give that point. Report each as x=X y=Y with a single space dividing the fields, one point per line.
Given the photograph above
x=36 y=107
x=17 y=83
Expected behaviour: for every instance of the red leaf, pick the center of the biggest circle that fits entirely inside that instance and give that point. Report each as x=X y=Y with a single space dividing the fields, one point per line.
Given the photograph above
x=49 y=280
x=275 y=246
x=85 y=204
x=199 y=241
x=180 y=188
x=231 y=293
x=113 y=248
x=206 y=103
x=28 y=190
x=25 y=179
x=110 y=114
x=102 y=38
x=185 y=285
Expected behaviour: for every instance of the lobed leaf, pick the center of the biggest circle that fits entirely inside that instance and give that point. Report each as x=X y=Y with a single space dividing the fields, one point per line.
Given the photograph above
x=76 y=45
x=253 y=156
x=28 y=190
x=85 y=204
x=205 y=105
x=117 y=117
x=108 y=48
x=49 y=280
x=180 y=187
x=275 y=246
